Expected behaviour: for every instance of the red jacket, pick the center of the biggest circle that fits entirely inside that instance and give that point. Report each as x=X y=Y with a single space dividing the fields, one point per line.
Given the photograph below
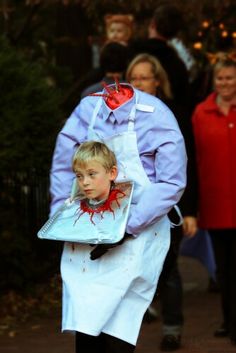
x=215 y=140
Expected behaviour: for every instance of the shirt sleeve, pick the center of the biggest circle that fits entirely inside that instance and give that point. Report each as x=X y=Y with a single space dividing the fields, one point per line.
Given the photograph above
x=61 y=174
x=170 y=163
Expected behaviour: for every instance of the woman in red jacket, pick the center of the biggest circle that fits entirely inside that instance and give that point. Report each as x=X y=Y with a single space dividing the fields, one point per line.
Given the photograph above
x=214 y=126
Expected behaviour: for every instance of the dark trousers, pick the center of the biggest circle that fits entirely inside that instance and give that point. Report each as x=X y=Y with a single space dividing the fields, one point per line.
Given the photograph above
x=224 y=244
x=101 y=344
x=170 y=286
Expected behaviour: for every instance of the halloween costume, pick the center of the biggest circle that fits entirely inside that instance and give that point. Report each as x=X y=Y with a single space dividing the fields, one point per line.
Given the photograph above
x=101 y=207
x=110 y=295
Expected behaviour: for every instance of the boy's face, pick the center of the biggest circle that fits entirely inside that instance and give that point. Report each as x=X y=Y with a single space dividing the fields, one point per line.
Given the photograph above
x=94 y=181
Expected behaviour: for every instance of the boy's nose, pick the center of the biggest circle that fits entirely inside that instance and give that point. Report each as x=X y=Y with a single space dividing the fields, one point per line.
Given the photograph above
x=85 y=181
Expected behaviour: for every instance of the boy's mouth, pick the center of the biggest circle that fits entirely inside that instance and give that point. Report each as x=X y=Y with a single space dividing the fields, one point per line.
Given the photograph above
x=87 y=191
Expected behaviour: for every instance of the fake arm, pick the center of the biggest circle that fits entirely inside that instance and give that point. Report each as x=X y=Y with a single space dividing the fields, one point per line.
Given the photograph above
x=61 y=174
x=170 y=166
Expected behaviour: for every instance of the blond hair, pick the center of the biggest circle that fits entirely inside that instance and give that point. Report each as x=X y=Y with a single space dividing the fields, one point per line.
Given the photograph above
x=164 y=90
x=94 y=151
x=224 y=59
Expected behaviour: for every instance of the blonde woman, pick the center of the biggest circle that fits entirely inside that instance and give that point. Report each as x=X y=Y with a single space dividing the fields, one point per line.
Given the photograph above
x=214 y=124
x=146 y=73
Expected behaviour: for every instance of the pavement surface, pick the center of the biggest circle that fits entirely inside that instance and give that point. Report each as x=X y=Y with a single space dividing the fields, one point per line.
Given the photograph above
x=201 y=311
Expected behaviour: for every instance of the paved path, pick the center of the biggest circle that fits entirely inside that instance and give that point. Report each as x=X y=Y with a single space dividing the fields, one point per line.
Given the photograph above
x=202 y=317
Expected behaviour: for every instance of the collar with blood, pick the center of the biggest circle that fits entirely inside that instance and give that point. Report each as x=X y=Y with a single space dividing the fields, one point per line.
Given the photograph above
x=115 y=95
x=101 y=207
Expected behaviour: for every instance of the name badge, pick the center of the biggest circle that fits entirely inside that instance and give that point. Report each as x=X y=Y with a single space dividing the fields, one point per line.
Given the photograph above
x=145 y=108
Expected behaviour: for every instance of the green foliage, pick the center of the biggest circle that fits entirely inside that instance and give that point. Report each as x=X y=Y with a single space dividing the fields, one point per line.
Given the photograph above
x=30 y=117
x=29 y=111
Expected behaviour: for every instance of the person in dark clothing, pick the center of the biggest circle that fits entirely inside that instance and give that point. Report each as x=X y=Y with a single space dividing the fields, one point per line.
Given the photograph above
x=113 y=62
x=165 y=24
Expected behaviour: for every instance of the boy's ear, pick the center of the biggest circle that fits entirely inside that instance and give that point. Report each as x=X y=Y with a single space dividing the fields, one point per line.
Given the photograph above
x=113 y=172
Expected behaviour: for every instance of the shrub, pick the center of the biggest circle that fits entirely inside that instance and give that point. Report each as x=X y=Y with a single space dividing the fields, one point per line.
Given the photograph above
x=30 y=118
x=29 y=113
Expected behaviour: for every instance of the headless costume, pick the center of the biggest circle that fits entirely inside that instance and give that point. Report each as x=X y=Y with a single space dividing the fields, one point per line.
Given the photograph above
x=111 y=294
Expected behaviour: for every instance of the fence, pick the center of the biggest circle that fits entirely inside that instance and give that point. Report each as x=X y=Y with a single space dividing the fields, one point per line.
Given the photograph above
x=26 y=197
x=24 y=207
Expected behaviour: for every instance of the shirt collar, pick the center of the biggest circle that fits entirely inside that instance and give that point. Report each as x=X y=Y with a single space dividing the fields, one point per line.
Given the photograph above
x=120 y=113
x=212 y=106
x=211 y=101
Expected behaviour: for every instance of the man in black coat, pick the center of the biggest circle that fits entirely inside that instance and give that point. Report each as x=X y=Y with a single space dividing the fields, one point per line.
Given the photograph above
x=113 y=63
x=165 y=25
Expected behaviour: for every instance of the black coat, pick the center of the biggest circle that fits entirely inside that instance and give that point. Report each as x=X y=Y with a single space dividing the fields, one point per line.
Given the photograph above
x=181 y=105
x=171 y=62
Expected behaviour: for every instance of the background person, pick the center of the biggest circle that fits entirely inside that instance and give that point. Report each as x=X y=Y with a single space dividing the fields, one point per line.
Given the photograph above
x=119 y=28
x=146 y=73
x=165 y=25
x=214 y=125
x=113 y=63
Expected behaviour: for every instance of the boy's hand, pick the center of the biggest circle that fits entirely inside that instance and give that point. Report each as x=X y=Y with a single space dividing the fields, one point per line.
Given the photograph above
x=101 y=249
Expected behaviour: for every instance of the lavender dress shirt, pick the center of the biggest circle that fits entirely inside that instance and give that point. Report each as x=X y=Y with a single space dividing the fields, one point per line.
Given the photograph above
x=160 y=144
